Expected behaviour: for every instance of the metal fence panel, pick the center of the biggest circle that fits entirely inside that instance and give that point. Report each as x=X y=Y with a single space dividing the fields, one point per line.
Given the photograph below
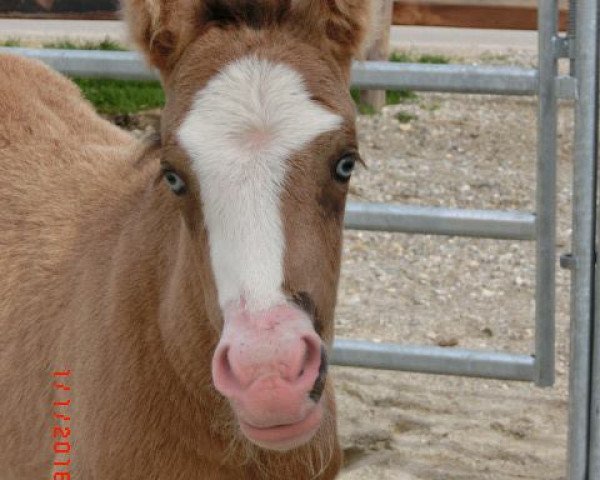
x=90 y=63
x=584 y=192
x=438 y=360
x=545 y=283
x=440 y=221
x=367 y=75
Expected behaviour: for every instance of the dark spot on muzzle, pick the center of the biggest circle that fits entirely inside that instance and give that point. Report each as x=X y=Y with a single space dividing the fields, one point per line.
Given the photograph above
x=319 y=386
x=307 y=304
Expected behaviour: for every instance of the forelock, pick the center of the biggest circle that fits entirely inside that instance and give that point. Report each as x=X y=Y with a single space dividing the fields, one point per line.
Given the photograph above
x=253 y=13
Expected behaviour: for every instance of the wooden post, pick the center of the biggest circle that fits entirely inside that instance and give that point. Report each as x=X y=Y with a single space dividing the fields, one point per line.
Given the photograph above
x=379 y=51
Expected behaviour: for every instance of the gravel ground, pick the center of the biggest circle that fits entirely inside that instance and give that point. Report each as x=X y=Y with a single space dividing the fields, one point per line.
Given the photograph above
x=462 y=151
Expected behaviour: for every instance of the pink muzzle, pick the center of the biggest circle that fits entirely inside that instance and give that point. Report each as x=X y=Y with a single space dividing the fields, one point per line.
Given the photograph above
x=269 y=365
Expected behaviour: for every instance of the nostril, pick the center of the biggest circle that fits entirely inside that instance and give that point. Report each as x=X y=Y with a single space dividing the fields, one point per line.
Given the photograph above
x=319 y=385
x=224 y=377
x=312 y=357
x=223 y=359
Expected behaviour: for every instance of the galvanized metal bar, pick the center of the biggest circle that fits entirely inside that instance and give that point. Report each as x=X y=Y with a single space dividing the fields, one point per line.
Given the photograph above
x=453 y=78
x=446 y=78
x=594 y=411
x=366 y=75
x=90 y=63
x=440 y=221
x=582 y=280
x=566 y=87
x=546 y=258
x=594 y=420
x=435 y=360
x=571 y=34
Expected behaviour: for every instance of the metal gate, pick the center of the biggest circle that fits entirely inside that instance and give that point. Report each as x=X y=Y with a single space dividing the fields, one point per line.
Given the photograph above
x=580 y=45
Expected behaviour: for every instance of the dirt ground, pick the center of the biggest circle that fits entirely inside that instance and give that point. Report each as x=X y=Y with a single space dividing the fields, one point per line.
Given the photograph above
x=462 y=151
x=472 y=152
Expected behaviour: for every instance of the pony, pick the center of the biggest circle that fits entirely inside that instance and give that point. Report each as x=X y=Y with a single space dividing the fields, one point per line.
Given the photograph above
x=166 y=306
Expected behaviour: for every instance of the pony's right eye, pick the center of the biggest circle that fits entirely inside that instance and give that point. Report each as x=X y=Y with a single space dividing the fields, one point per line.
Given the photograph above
x=175 y=182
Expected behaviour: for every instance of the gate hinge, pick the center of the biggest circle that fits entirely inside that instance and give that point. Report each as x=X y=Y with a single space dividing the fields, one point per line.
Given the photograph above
x=563 y=47
x=566 y=87
x=567 y=261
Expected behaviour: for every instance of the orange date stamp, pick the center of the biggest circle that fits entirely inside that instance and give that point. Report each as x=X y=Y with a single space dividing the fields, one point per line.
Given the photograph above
x=61 y=428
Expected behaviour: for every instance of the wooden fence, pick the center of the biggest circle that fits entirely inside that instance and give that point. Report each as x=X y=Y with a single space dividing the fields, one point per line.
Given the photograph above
x=63 y=9
x=501 y=14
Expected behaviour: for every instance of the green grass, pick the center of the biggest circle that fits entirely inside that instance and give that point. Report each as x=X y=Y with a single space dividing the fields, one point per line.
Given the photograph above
x=434 y=59
x=404 y=57
x=106 y=44
x=405 y=117
x=362 y=107
x=392 y=97
x=396 y=97
x=121 y=96
x=10 y=42
x=401 y=57
x=111 y=97
x=114 y=97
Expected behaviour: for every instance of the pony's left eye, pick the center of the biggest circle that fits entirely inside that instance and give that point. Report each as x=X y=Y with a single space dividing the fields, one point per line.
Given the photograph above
x=344 y=168
x=174 y=181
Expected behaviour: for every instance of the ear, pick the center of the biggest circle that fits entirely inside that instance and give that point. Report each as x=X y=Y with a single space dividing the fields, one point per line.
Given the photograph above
x=162 y=28
x=343 y=27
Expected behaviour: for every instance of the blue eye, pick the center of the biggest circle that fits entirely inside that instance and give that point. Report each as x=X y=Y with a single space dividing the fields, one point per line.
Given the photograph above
x=344 y=168
x=175 y=183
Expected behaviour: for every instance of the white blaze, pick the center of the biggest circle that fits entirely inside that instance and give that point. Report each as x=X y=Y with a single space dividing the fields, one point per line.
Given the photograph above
x=240 y=133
